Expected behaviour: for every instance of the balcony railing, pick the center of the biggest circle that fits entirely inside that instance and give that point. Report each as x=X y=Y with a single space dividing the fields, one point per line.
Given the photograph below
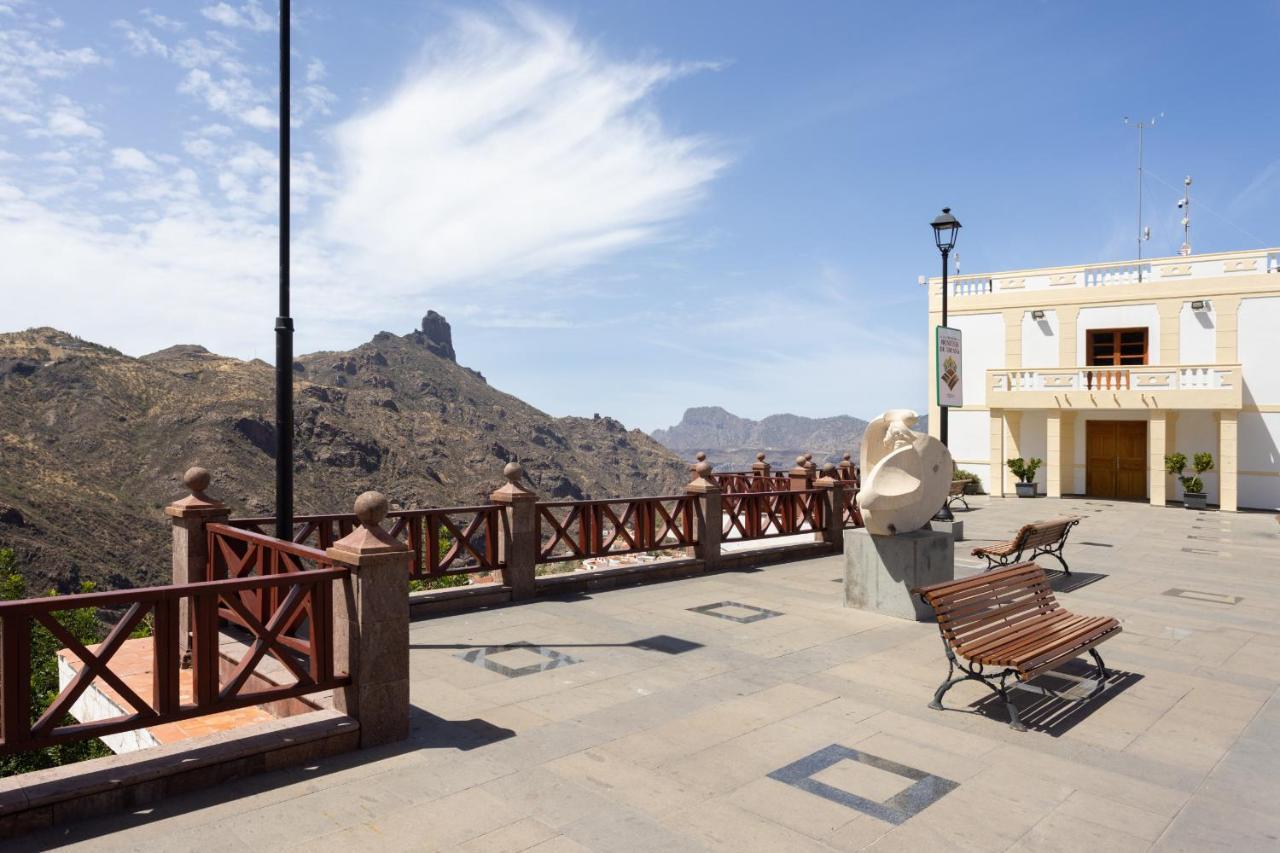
x=1174 y=268
x=1145 y=386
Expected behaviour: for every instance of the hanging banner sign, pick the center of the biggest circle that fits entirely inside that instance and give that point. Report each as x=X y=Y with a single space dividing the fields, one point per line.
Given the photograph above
x=949 y=367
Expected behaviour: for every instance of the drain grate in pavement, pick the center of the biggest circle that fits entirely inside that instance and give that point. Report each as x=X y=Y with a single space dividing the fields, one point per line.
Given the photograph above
x=886 y=789
x=1204 y=552
x=520 y=659
x=1098 y=544
x=1197 y=595
x=756 y=613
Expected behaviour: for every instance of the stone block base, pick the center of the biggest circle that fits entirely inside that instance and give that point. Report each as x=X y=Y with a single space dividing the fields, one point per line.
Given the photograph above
x=955 y=528
x=881 y=571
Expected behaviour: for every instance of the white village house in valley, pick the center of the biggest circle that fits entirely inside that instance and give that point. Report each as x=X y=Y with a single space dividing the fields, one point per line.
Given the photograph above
x=1103 y=369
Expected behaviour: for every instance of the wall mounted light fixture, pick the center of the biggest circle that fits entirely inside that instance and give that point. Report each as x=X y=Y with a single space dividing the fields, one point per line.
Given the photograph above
x=1200 y=305
x=1037 y=314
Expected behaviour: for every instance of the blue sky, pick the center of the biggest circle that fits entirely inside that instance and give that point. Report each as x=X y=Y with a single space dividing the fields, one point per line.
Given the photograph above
x=625 y=208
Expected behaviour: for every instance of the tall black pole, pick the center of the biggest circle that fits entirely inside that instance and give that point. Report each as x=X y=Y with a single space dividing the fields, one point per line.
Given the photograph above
x=942 y=410
x=943 y=514
x=284 y=323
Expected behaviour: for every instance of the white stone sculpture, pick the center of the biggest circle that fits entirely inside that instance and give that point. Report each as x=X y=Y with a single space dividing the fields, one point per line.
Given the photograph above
x=905 y=474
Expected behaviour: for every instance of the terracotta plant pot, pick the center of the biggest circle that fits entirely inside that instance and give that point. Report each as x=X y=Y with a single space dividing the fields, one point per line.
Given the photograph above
x=1025 y=490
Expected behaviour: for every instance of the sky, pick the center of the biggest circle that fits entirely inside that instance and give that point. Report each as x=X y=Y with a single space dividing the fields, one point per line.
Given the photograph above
x=623 y=208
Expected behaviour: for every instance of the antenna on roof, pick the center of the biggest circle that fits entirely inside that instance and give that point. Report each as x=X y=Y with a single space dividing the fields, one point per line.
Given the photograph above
x=1143 y=233
x=1184 y=204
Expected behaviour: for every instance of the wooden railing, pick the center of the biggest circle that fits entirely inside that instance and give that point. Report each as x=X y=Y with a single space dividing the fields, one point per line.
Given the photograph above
x=762 y=515
x=309 y=659
x=578 y=530
x=737 y=482
x=444 y=541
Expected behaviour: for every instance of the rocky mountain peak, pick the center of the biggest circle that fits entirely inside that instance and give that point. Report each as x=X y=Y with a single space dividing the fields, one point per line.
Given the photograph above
x=436 y=336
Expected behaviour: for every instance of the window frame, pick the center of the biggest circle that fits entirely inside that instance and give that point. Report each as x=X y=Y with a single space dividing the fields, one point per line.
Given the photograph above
x=1116 y=334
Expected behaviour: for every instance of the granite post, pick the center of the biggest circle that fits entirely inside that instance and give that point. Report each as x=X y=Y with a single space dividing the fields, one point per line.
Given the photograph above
x=371 y=626
x=832 y=531
x=518 y=547
x=191 y=544
x=709 y=517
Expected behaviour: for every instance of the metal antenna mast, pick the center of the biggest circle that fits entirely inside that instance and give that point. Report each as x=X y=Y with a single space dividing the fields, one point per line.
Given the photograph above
x=1185 y=206
x=1143 y=233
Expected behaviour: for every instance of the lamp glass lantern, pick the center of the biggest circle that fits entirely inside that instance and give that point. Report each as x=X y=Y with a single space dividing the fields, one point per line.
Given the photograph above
x=945 y=229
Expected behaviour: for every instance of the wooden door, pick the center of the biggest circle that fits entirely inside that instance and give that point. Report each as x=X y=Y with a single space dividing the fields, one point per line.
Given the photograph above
x=1100 y=459
x=1116 y=459
x=1131 y=463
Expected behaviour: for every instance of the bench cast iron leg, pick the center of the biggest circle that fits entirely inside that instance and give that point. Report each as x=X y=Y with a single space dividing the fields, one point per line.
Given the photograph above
x=936 y=704
x=1066 y=570
x=1015 y=722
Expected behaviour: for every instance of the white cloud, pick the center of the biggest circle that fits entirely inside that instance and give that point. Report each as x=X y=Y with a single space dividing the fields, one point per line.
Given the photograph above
x=249 y=15
x=515 y=148
x=131 y=158
x=67 y=119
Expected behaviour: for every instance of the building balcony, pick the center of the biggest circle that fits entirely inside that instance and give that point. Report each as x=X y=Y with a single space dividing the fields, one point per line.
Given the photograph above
x=1144 y=387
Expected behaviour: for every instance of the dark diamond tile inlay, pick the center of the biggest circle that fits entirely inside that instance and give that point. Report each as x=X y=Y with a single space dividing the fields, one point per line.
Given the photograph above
x=926 y=789
x=484 y=657
x=757 y=613
x=1196 y=595
x=666 y=644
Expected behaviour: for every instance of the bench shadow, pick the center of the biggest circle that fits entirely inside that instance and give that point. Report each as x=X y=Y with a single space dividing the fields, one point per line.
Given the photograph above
x=1052 y=715
x=1060 y=581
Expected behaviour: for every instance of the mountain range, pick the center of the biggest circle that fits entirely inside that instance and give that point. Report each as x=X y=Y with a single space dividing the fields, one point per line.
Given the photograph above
x=733 y=442
x=93 y=443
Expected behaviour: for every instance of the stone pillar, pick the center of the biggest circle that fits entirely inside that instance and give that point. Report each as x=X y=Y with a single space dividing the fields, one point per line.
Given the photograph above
x=760 y=468
x=1012 y=432
x=1013 y=337
x=518 y=546
x=1170 y=332
x=1053 y=449
x=1068 y=433
x=1227 y=463
x=371 y=626
x=995 y=480
x=801 y=476
x=1226 y=316
x=1156 y=449
x=833 y=529
x=191 y=544
x=811 y=466
x=709 y=520
x=847 y=471
x=1067 y=317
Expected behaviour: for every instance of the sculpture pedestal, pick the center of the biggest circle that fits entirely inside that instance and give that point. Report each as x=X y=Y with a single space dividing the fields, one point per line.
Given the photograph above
x=955 y=528
x=881 y=571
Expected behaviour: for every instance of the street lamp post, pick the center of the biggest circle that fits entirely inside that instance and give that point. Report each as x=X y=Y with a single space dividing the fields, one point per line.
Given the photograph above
x=284 y=323
x=945 y=229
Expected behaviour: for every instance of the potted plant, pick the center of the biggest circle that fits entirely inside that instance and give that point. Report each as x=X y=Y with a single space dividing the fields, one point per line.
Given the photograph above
x=1193 y=495
x=1025 y=471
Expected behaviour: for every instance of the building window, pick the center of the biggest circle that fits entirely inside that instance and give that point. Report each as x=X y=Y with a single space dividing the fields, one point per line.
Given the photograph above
x=1115 y=347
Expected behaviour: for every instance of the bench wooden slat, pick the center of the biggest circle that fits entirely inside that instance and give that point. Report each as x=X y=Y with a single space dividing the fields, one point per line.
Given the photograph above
x=1058 y=634
x=988 y=642
x=1032 y=657
x=946 y=589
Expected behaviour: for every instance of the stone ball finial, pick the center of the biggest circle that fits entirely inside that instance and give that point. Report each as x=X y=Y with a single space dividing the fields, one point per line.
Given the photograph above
x=808 y=457
x=848 y=457
x=800 y=461
x=759 y=457
x=829 y=469
x=700 y=456
x=371 y=508
x=513 y=471
x=197 y=479
x=703 y=469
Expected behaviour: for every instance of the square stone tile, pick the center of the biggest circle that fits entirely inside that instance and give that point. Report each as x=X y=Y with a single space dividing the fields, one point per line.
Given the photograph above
x=908 y=800
x=517 y=659
x=753 y=613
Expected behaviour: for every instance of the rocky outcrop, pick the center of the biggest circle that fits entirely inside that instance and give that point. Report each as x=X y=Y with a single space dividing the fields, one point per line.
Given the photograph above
x=732 y=441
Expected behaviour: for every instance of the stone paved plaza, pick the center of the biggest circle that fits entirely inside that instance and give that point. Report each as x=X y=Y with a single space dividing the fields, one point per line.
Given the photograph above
x=751 y=711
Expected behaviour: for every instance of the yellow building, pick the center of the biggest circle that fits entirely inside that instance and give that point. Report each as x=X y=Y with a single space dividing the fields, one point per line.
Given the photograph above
x=1100 y=370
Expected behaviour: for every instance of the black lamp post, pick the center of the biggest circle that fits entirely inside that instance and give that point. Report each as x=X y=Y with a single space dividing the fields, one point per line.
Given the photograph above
x=284 y=323
x=945 y=229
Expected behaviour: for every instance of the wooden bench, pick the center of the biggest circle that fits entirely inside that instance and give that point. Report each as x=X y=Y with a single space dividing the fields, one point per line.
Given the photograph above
x=1009 y=621
x=957 y=493
x=1039 y=537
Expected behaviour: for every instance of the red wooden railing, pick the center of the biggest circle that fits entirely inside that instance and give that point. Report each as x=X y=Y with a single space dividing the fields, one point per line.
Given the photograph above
x=309 y=660
x=762 y=515
x=472 y=534
x=577 y=530
x=850 y=514
x=738 y=482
